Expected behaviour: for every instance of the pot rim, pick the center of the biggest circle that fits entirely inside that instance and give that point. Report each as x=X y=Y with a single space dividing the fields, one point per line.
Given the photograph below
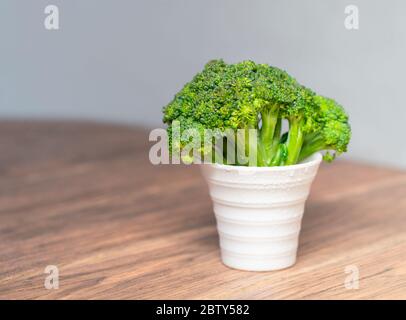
x=310 y=161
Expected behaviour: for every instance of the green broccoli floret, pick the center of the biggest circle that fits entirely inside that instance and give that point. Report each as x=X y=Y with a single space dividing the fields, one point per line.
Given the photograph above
x=274 y=91
x=300 y=117
x=246 y=96
x=331 y=130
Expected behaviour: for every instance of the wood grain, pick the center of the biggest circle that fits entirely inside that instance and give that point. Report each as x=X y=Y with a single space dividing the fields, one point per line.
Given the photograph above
x=84 y=197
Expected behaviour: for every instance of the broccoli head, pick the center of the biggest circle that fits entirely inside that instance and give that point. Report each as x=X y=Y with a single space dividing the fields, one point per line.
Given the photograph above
x=331 y=130
x=245 y=96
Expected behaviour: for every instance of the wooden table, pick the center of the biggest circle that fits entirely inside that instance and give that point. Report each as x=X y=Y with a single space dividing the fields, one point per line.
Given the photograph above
x=85 y=198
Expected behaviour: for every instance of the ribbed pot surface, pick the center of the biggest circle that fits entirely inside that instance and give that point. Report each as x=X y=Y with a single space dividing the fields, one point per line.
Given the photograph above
x=259 y=211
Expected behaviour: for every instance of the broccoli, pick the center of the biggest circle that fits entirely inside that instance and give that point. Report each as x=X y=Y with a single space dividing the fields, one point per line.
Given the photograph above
x=331 y=130
x=240 y=97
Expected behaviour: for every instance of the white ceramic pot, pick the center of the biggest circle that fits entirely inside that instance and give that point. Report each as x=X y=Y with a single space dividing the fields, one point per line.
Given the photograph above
x=259 y=212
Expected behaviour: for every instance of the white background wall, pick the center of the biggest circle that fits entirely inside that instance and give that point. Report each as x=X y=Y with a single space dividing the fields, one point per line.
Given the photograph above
x=123 y=60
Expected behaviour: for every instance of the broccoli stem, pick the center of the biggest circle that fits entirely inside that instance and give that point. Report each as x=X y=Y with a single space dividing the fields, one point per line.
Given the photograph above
x=245 y=148
x=215 y=156
x=312 y=143
x=295 y=139
x=252 y=149
x=276 y=137
x=220 y=159
x=270 y=121
x=279 y=156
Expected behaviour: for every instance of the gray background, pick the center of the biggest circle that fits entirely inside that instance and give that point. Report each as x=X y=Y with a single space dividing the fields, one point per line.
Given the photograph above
x=121 y=61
